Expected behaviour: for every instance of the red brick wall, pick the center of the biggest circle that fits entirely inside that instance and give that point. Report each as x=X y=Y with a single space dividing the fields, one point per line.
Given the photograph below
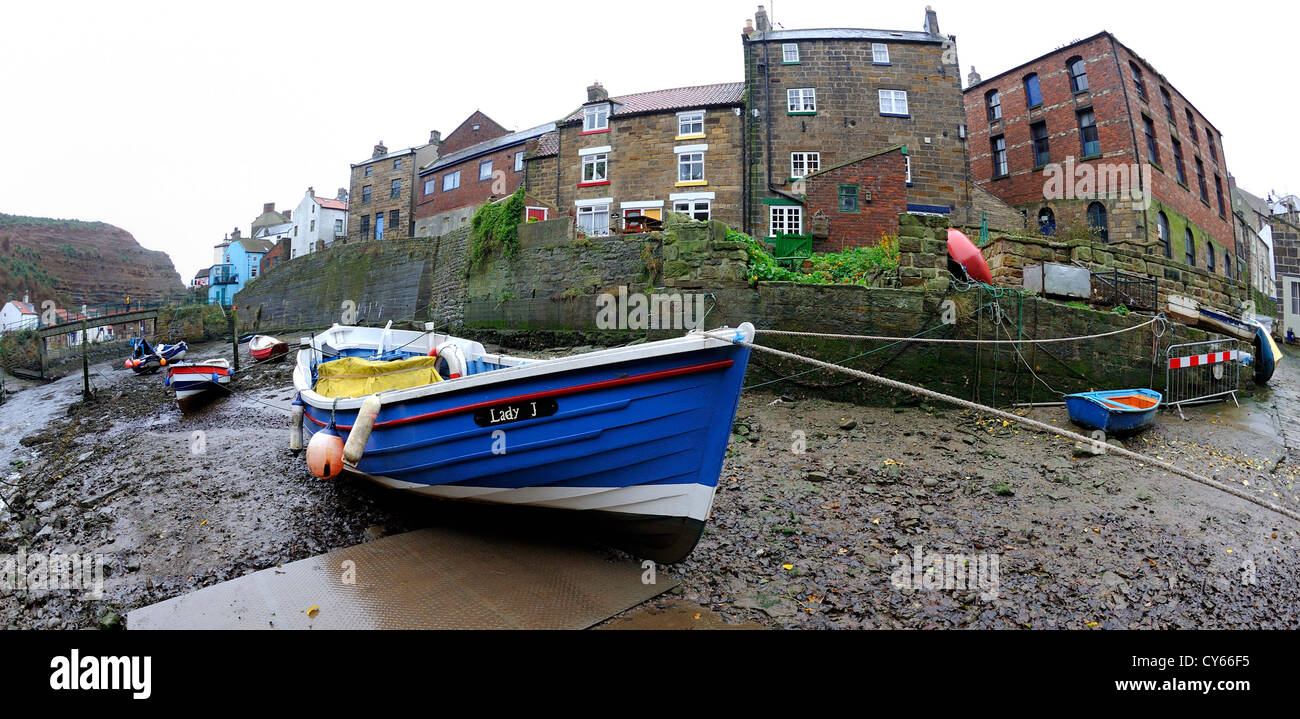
x=1112 y=95
x=279 y=253
x=884 y=176
x=472 y=191
x=465 y=135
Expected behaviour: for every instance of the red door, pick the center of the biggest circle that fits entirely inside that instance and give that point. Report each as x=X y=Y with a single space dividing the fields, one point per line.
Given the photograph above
x=536 y=213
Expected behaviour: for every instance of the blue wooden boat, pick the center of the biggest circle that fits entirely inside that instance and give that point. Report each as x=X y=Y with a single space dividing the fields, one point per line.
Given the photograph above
x=637 y=434
x=1115 y=411
x=146 y=358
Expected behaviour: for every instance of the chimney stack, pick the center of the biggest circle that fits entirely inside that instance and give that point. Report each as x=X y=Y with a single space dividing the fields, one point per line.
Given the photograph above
x=973 y=78
x=268 y=207
x=596 y=93
x=749 y=27
x=380 y=150
x=235 y=235
x=760 y=20
x=343 y=194
x=435 y=137
x=931 y=21
x=288 y=214
x=311 y=191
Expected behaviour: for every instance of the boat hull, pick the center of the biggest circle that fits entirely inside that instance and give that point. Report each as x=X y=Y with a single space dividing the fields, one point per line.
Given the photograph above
x=641 y=440
x=1101 y=411
x=264 y=348
x=195 y=384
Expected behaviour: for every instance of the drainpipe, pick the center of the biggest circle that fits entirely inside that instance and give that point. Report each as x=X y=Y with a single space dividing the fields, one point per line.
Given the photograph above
x=1137 y=153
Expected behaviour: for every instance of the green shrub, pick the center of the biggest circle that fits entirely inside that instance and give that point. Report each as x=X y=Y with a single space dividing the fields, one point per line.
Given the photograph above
x=495 y=227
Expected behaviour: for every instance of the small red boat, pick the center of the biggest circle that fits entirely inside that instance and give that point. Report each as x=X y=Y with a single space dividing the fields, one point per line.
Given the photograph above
x=965 y=253
x=263 y=347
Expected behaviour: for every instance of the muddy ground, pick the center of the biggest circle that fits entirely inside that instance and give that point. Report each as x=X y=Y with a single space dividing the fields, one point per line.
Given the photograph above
x=816 y=501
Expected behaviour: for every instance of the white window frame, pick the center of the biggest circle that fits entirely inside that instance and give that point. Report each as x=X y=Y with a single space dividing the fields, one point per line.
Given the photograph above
x=593 y=211
x=804 y=101
x=907 y=161
x=693 y=208
x=811 y=162
x=595 y=117
x=790 y=52
x=430 y=185
x=546 y=213
x=889 y=102
x=792 y=217
x=482 y=166
x=685 y=121
x=451 y=181
x=687 y=161
x=877 y=48
x=597 y=160
x=519 y=161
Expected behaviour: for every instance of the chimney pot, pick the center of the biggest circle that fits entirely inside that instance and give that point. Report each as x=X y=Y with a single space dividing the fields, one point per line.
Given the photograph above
x=343 y=194
x=973 y=78
x=761 y=22
x=380 y=150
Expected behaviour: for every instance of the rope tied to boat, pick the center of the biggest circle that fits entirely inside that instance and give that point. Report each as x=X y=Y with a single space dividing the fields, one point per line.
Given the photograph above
x=1042 y=426
x=1158 y=320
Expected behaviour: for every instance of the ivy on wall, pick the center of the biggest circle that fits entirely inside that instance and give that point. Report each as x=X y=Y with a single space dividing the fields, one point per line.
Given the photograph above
x=495 y=227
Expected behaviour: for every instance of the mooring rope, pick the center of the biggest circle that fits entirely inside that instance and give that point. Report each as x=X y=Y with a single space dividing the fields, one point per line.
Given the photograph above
x=936 y=340
x=1043 y=426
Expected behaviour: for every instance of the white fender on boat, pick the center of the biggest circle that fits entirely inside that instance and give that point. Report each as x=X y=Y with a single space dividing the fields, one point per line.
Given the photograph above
x=451 y=353
x=295 y=429
x=356 y=444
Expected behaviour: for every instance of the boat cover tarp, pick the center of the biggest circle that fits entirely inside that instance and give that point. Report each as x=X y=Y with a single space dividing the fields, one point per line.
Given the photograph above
x=358 y=377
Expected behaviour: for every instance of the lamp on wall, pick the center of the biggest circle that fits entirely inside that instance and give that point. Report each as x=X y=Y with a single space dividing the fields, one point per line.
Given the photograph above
x=961 y=132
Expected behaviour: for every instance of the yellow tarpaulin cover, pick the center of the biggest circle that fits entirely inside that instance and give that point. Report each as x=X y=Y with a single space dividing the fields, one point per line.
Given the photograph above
x=357 y=377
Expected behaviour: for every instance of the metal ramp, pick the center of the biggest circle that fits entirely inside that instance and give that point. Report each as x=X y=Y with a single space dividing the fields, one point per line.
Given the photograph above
x=426 y=579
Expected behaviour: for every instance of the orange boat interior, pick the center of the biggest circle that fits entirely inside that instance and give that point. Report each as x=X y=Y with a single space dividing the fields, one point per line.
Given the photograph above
x=1135 y=401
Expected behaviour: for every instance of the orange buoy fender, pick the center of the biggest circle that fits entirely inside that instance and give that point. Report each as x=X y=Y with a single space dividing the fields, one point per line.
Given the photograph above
x=356 y=444
x=325 y=453
x=966 y=254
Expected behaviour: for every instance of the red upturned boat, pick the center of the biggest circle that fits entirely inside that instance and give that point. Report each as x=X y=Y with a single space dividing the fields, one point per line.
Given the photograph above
x=264 y=348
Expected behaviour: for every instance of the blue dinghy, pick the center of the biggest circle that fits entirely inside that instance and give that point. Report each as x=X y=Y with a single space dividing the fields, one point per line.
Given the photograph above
x=1115 y=411
x=633 y=433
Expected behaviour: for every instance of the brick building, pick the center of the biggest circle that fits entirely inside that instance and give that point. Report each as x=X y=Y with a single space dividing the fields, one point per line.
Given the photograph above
x=1092 y=136
x=825 y=98
x=638 y=156
x=381 y=198
x=479 y=161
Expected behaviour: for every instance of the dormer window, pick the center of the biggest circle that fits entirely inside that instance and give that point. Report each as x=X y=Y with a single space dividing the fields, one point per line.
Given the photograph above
x=595 y=117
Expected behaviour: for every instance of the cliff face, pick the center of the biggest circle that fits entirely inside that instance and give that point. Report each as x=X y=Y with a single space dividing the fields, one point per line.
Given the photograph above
x=73 y=262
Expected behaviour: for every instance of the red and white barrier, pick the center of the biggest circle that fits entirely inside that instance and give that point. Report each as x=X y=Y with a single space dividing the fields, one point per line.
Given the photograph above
x=1205 y=359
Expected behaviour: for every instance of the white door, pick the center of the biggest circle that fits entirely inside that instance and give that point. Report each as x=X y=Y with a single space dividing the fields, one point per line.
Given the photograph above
x=1291 y=305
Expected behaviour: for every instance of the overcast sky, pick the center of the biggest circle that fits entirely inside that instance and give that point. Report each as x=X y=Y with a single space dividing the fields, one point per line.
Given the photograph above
x=177 y=120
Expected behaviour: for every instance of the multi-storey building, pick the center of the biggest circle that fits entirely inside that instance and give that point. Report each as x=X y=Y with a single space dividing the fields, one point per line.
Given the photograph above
x=883 y=108
x=381 y=198
x=318 y=221
x=1285 y=226
x=1254 y=240
x=620 y=163
x=1092 y=136
x=480 y=160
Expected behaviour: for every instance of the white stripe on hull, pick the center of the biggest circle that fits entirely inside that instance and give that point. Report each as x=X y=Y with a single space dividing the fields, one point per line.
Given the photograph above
x=656 y=500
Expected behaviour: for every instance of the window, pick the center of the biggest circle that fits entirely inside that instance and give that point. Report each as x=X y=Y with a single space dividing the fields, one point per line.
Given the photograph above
x=1033 y=92
x=1088 y=134
x=369 y=170
x=993 y=104
x=803 y=164
x=1162 y=233
x=396 y=189
x=1042 y=154
x=785 y=220
x=893 y=102
x=1149 y=129
x=311 y=228
x=519 y=161
x=1218 y=192
x=1209 y=143
x=1191 y=125
x=485 y=170
x=1169 y=104
x=394 y=220
x=907 y=162
x=397 y=164
x=999 y=156
x=848 y=198
x=1097 y=221
x=365 y=226
x=595 y=118
x=1078 y=74
x=451 y=181
x=595 y=168
x=1200 y=180
x=429 y=185
x=338 y=227
x=593 y=220
x=879 y=53
x=1209 y=257
x=802 y=99
x=690 y=167
x=698 y=210
x=365 y=195
x=790 y=52
x=379 y=225
x=1137 y=81
x=690 y=123
x=1179 y=170
x=1047 y=222
x=1189 y=247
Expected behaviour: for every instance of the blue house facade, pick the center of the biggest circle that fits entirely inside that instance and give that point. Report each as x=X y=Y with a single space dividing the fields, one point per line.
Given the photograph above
x=237 y=261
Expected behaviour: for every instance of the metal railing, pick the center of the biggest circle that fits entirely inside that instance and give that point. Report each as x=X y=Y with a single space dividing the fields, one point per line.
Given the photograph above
x=1201 y=371
x=1114 y=288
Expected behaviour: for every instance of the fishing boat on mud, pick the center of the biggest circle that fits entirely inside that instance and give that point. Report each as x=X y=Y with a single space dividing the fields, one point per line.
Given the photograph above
x=1266 y=354
x=264 y=348
x=197 y=382
x=635 y=434
x=147 y=359
x=1114 y=412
